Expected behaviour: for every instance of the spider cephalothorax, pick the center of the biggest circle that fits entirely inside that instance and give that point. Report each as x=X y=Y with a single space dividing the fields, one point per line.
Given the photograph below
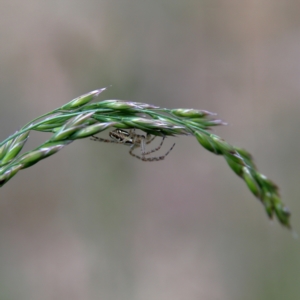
x=134 y=140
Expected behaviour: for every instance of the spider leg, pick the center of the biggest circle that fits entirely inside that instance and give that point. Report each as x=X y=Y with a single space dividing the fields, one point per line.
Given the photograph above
x=97 y=139
x=143 y=158
x=132 y=132
x=150 y=140
x=155 y=149
x=143 y=146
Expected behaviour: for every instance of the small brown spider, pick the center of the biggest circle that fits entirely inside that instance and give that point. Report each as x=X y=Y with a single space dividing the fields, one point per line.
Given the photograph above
x=134 y=140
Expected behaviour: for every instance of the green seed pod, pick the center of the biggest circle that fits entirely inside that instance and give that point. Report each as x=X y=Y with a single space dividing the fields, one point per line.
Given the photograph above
x=246 y=157
x=7 y=175
x=48 y=127
x=3 y=150
x=206 y=142
x=236 y=167
x=190 y=113
x=283 y=214
x=15 y=147
x=268 y=204
x=222 y=145
x=251 y=183
x=30 y=158
x=82 y=100
x=91 y=130
x=65 y=134
x=78 y=120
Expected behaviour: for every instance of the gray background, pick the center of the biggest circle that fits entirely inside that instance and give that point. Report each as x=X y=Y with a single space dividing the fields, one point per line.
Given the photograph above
x=91 y=222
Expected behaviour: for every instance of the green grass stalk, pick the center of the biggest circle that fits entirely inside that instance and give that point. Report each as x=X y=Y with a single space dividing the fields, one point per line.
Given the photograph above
x=80 y=118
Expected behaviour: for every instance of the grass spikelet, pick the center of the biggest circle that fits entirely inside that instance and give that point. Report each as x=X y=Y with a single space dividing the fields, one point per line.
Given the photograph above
x=81 y=119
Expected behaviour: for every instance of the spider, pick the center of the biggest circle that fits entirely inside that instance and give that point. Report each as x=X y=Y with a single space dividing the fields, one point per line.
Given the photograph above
x=134 y=140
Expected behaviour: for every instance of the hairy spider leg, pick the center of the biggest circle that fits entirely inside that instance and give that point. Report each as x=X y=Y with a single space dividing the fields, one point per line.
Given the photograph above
x=155 y=149
x=97 y=139
x=149 y=139
x=143 y=158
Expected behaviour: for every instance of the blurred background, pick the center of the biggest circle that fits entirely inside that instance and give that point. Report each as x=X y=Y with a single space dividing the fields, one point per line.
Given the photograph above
x=91 y=222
